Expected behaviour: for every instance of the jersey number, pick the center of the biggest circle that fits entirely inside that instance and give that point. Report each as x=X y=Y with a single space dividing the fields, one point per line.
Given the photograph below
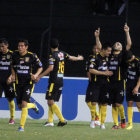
x=61 y=67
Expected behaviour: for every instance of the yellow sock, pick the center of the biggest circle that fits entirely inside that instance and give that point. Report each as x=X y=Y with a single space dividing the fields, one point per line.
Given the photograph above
x=92 y=110
x=12 y=109
x=30 y=105
x=139 y=109
x=103 y=114
x=24 y=114
x=58 y=113
x=50 y=115
x=121 y=112
x=115 y=115
x=99 y=112
x=130 y=115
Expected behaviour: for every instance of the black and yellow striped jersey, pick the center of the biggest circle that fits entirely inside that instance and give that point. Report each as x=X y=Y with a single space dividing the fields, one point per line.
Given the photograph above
x=117 y=64
x=23 y=66
x=133 y=71
x=5 y=65
x=57 y=58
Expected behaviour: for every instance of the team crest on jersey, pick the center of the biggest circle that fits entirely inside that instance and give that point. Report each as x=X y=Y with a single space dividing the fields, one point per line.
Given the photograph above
x=8 y=56
x=61 y=56
x=27 y=59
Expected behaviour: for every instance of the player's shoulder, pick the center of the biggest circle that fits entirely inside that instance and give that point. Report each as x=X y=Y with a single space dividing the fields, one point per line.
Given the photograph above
x=58 y=53
x=137 y=59
x=92 y=56
x=15 y=52
x=10 y=51
x=61 y=52
x=30 y=53
x=98 y=56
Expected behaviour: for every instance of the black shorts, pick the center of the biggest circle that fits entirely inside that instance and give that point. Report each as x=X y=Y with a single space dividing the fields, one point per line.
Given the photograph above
x=7 y=89
x=89 y=93
x=98 y=92
x=23 y=92
x=117 y=92
x=54 y=91
x=130 y=85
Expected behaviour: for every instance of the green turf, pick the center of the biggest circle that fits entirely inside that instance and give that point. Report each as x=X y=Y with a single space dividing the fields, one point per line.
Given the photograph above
x=34 y=130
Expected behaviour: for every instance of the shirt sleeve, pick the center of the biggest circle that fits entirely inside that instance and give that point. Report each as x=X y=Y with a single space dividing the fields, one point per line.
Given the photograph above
x=51 y=60
x=36 y=61
x=66 y=55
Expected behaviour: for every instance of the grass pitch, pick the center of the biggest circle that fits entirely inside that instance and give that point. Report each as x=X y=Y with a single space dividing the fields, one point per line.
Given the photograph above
x=34 y=130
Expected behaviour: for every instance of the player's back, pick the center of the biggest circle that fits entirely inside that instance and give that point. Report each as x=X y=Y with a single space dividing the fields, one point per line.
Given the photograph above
x=58 y=60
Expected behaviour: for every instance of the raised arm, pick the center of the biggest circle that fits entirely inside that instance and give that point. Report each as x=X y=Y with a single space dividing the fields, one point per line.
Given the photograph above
x=128 y=38
x=98 y=43
x=74 y=58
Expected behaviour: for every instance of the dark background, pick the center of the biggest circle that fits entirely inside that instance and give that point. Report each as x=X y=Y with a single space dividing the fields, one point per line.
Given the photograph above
x=71 y=21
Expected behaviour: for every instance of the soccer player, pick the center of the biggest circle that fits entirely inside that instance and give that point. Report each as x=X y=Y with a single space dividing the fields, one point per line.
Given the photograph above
x=96 y=49
x=5 y=72
x=132 y=86
x=98 y=91
x=56 y=71
x=24 y=63
x=117 y=80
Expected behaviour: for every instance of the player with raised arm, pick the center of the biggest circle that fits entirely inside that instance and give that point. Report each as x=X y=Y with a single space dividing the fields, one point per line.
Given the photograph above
x=117 y=80
x=95 y=50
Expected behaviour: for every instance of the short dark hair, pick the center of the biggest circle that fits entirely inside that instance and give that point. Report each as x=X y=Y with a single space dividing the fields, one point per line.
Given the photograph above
x=4 y=41
x=54 y=43
x=106 y=45
x=26 y=43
